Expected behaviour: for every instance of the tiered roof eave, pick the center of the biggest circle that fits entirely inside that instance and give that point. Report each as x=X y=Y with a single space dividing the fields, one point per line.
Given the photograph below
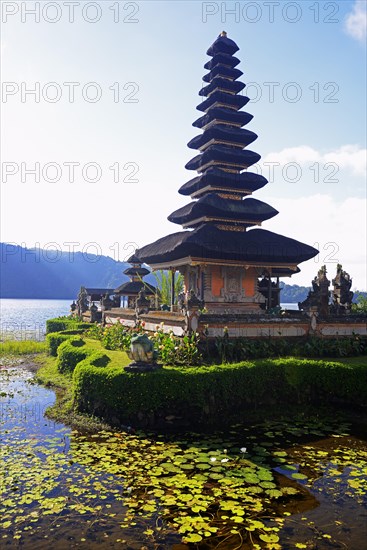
x=221 y=212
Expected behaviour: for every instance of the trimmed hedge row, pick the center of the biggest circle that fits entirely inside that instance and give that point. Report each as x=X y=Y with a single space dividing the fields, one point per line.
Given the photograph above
x=64 y=323
x=70 y=353
x=209 y=393
x=96 y=359
x=54 y=339
x=223 y=349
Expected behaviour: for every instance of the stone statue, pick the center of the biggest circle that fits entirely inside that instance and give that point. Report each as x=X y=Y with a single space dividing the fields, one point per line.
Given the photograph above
x=82 y=301
x=263 y=288
x=194 y=301
x=106 y=302
x=342 y=295
x=116 y=302
x=142 y=303
x=181 y=302
x=143 y=354
x=318 y=297
x=93 y=313
x=73 y=307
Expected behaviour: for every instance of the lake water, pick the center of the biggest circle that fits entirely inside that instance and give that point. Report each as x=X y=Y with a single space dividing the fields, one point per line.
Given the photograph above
x=276 y=484
x=26 y=319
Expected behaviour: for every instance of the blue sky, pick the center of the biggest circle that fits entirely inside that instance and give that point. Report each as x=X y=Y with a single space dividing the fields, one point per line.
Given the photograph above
x=309 y=55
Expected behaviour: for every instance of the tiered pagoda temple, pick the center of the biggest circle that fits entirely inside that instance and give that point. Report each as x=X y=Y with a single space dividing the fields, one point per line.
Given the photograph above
x=130 y=290
x=222 y=252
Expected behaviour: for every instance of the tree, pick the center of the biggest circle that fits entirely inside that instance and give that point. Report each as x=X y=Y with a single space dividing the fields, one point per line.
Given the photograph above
x=361 y=303
x=164 y=285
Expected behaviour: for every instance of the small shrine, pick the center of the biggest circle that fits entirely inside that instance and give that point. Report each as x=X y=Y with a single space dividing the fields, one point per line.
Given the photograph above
x=222 y=251
x=342 y=295
x=322 y=301
x=129 y=292
x=85 y=306
x=318 y=298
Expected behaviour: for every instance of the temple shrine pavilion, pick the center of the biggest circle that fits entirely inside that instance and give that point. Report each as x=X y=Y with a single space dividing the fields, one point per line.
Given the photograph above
x=130 y=290
x=229 y=263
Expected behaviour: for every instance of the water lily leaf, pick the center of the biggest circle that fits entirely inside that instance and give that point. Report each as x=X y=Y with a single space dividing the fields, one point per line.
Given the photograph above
x=256 y=524
x=251 y=478
x=203 y=466
x=274 y=493
x=237 y=519
x=289 y=490
x=193 y=537
x=298 y=476
x=215 y=476
x=269 y=538
x=267 y=485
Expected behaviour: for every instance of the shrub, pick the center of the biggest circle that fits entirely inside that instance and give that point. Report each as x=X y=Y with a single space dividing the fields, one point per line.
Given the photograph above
x=95 y=331
x=361 y=306
x=224 y=349
x=95 y=359
x=172 y=350
x=116 y=337
x=54 y=339
x=64 y=323
x=98 y=359
x=70 y=353
x=211 y=393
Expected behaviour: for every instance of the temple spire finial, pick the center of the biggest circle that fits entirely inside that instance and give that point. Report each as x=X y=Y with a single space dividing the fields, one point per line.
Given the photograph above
x=223 y=33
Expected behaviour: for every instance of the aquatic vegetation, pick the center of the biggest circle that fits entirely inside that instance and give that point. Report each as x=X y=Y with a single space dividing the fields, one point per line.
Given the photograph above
x=21 y=347
x=258 y=486
x=230 y=488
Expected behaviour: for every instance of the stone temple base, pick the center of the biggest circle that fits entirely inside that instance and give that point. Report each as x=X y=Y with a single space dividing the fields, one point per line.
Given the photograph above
x=137 y=366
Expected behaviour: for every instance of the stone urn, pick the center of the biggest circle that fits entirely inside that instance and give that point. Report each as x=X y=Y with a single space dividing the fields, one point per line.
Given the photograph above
x=142 y=354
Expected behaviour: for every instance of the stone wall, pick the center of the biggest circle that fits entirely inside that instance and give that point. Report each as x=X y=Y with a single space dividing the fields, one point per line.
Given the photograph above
x=292 y=324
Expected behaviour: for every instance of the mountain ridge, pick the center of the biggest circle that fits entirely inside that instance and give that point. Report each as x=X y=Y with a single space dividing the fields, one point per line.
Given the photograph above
x=35 y=273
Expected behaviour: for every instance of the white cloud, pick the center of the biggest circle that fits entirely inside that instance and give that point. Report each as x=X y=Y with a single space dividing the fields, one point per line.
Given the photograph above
x=351 y=157
x=356 y=21
x=336 y=228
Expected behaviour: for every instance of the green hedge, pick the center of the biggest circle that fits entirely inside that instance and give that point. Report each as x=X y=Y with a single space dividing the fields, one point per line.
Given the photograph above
x=96 y=359
x=54 y=339
x=207 y=393
x=64 y=323
x=223 y=349
x=70 y=353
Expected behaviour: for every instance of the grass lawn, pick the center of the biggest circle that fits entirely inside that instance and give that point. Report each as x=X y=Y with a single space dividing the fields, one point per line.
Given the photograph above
x=118 y=358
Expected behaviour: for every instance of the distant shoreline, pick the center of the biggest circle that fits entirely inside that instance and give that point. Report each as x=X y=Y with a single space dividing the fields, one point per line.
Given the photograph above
x=34 y=298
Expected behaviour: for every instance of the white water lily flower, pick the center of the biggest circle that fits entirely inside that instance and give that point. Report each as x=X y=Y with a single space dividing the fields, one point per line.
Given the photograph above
x=243 y=449
x=225 y=460
x=212 y=459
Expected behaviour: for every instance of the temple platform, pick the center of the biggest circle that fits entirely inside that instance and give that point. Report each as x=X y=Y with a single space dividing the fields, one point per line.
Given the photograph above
x=168 y=321
x=291 y=324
